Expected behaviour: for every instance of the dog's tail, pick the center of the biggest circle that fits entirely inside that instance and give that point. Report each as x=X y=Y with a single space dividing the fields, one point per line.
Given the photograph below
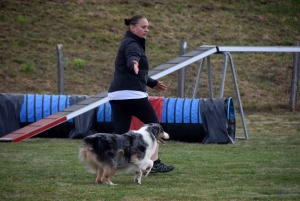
x=88 y=157
x=84 y=150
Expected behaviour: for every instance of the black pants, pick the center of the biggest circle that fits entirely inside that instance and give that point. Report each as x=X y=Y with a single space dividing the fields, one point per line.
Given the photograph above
x=123 y=110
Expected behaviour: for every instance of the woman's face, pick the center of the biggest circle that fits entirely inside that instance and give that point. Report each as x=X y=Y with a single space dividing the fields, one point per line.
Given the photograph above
x=141 y=28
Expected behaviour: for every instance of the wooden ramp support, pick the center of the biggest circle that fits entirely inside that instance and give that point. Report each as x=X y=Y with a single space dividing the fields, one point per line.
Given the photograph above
x=56 y=119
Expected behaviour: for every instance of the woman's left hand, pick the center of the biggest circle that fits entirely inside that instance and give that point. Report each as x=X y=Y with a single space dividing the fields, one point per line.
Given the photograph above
x=135 y=66
x=160 y=86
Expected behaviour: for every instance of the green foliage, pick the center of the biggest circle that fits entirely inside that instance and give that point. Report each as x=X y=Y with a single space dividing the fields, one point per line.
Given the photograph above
x=179 y=9
x=13 y=73
x=272 y=9
x=288 y=42
x=193 y=10
x=22 y=20
x=28 y=67
x=79 y=63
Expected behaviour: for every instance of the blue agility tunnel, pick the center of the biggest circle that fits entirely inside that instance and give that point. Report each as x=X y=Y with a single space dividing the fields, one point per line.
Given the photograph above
x=187 y=120
x=200 y=120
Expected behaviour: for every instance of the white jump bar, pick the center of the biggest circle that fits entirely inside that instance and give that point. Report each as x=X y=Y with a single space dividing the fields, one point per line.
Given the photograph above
x=258 y=48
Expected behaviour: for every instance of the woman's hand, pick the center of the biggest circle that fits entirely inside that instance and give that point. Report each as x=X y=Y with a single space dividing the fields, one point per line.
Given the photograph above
x=135 y=66
x=160 y=86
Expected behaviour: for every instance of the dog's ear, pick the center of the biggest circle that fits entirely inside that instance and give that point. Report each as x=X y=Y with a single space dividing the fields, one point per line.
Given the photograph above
x=155 y=128
x=88 y=140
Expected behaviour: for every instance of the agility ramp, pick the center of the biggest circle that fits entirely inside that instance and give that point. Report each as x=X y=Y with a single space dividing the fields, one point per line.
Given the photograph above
x=56 y=118
x=199 y=53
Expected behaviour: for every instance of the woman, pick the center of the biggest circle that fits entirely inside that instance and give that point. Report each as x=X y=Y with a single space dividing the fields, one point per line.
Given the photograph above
x=127 y=92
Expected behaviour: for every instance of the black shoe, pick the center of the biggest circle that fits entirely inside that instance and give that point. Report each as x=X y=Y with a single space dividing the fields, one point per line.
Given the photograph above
x=158 y=166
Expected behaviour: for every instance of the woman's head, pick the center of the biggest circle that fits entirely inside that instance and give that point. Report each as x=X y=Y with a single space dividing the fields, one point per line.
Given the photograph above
x=138 y=25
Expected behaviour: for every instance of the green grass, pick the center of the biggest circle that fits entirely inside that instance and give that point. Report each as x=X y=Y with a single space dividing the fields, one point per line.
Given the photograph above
x=92 y=30
x=265 y=167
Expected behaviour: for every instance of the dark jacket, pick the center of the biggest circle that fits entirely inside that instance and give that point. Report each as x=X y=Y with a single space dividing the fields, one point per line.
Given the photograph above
x=131 y=48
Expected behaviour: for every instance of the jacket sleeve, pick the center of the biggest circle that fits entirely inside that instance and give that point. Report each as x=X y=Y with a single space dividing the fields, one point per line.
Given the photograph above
x=151 y=82
x=132 y=52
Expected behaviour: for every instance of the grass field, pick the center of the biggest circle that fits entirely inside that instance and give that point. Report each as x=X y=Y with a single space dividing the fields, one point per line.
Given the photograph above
x=265 y=167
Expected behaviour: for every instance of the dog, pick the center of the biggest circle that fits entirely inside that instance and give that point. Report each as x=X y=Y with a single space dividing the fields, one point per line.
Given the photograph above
x=108 y=154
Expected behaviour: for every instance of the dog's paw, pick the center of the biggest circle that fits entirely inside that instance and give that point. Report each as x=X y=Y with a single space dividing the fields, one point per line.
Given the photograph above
x=145 y=174
x=138 y=177
x=109 y=184
x=147 y=171
x=138 y=181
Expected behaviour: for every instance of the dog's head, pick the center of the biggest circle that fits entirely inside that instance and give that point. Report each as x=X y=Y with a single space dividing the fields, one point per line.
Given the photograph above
x=158 y=132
